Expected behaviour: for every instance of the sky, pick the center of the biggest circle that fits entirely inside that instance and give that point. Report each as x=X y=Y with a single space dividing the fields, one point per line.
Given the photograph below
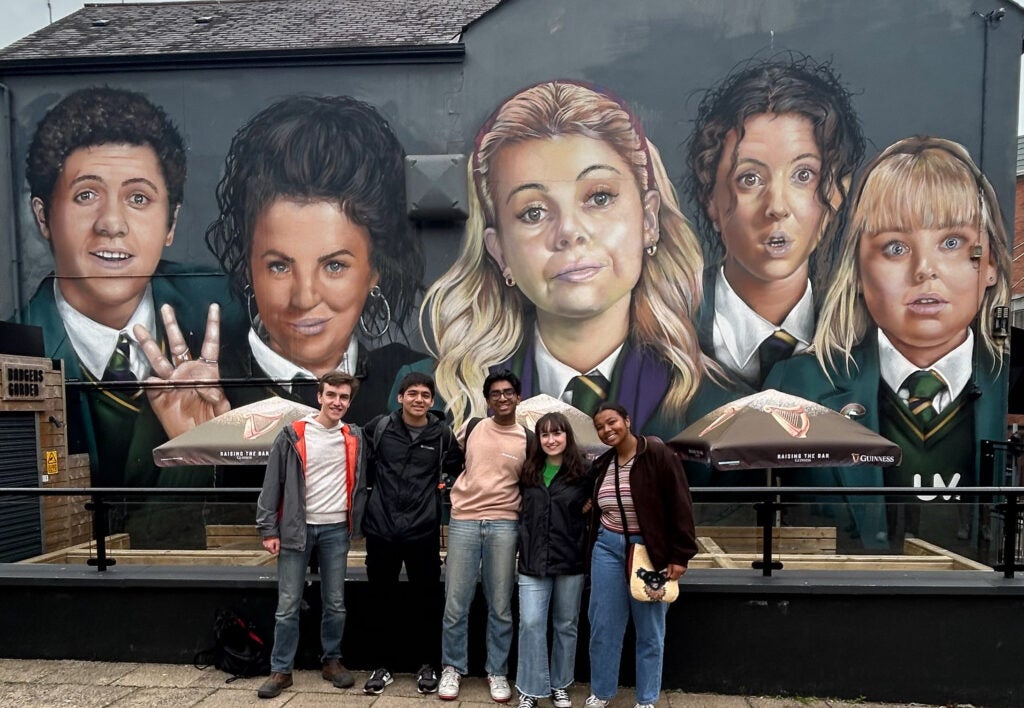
x=23 y=17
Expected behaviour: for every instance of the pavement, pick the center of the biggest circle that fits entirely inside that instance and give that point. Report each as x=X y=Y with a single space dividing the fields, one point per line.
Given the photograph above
x=89 y=684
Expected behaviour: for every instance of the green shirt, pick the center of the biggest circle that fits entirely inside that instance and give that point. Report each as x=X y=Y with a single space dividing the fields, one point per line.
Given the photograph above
x=550 y=471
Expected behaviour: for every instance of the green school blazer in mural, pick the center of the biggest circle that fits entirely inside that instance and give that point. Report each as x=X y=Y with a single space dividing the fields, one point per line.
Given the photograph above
x=119 y=432
x=803 y=376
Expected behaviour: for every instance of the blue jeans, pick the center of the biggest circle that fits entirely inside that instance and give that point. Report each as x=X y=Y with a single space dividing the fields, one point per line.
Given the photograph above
x=477 y=549
x=610 y=606
x=331 y=544
x=562 y=594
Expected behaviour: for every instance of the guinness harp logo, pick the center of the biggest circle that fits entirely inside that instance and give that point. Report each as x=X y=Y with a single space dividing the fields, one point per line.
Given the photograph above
x=793 y=419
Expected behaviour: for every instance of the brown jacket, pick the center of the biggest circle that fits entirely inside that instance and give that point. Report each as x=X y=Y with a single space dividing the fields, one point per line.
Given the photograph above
x=661 y=496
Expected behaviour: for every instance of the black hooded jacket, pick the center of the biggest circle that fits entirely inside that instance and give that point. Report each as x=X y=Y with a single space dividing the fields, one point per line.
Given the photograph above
x=403 y=474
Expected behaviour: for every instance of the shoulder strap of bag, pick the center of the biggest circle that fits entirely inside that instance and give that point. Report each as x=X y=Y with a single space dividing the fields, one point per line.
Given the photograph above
x=618 y=497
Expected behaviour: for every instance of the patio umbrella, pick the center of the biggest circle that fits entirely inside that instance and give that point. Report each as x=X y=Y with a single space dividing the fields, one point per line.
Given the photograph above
x=530 y=411
x=242 y=436
x=773 y=429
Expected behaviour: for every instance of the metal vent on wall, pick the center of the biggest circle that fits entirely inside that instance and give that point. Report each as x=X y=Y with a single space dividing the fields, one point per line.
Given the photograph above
x=21 y=531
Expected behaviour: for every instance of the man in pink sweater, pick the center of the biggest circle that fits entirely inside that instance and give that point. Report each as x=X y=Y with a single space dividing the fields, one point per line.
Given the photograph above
x=482 y=537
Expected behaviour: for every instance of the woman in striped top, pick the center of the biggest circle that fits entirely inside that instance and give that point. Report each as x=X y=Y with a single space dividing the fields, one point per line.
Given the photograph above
x=642 y=497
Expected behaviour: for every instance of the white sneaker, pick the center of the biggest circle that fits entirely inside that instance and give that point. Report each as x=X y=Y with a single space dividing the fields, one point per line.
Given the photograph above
x=644 y=705
x=595 y=702
x=448 y=689
x=560 y=697
x=500 y=690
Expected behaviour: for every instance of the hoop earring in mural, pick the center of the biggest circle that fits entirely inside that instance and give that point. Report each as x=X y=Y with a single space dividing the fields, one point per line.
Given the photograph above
x=375 y=319
x=510 y=281
x=651 y=250
x=253 y=312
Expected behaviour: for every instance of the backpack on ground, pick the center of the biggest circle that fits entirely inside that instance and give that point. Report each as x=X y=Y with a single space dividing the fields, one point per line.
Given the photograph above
x=237 y=650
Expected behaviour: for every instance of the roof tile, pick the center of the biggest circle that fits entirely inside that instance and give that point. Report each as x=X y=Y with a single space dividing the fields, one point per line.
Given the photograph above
x=140 y=29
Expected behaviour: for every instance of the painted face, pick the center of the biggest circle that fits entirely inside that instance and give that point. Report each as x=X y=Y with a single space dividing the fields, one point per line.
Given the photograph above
x=416 y=401
x=922 y=288
x=503 y=399
x=311 y=275
x=107 y=225
x=334 y=402
x=571 y=225
x=553 y=442
x=766 y=209
x=611 y=427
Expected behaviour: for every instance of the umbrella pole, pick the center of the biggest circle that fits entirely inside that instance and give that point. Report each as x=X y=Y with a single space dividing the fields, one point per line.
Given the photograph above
x=766 y=512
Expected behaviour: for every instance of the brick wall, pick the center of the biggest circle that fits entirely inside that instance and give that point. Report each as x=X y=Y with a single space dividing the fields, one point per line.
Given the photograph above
x=65 y=520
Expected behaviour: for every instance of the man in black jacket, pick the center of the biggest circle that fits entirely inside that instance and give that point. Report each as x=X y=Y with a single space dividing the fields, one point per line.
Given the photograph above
x=411 y=452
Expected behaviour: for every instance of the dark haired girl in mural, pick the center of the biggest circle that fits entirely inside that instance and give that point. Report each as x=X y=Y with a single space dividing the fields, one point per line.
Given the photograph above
x=577 y=269
x=771 y=159
x=905 y=334
x=313 y=233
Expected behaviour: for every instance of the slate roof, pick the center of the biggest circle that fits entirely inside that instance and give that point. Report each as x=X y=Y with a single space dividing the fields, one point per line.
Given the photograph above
x=237 y=26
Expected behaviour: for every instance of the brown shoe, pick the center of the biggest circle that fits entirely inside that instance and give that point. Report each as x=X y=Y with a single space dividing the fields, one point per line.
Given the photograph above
x=273 y=686
x=335 y=672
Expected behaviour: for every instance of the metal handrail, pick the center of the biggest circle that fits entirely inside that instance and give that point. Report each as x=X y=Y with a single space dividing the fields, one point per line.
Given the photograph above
x=769 y=500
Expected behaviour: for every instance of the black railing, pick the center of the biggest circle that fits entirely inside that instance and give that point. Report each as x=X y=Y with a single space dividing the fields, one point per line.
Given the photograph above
x=766 y=501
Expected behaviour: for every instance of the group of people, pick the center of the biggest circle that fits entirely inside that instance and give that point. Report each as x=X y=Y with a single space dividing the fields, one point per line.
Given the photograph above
x=515 y=494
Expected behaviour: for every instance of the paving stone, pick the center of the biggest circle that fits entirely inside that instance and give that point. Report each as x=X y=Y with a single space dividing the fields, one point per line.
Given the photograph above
x=154 y=675
x=86 y=672
x=779 y=702
x=22 y=670
x=59 y=695
x=235 y=698
x=162 y=697
x=704 y=700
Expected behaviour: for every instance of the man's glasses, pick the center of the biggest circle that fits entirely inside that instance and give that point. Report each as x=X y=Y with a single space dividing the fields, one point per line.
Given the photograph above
x=505 y=393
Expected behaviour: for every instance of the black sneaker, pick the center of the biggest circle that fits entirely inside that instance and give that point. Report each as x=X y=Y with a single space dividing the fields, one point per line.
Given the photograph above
x=378 y=680
x=426 y=679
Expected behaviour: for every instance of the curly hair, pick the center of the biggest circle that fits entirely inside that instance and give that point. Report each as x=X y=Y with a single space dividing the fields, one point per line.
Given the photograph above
x=919 y=182
x=477 y=322
x=572 y=459
x=797 y=85
x=332 y=149
x=101 y=115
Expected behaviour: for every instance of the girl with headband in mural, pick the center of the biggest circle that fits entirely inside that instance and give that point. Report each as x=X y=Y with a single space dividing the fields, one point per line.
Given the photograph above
x=577 y=270
x=771 y=159
x=313 y=234
x=905 y=337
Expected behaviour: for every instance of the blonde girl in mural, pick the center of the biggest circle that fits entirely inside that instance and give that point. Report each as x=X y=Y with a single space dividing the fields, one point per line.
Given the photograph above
x=577 y=270
x=905 y=337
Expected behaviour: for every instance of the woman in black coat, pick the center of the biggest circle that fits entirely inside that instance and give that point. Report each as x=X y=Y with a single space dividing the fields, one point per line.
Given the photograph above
x=555 y=488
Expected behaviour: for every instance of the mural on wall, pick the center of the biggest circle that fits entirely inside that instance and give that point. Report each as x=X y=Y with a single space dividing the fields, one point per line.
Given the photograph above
x=577 y=268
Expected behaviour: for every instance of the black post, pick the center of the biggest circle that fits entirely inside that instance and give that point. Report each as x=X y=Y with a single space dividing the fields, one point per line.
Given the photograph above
x=98 y=507
x=766 y=519
x=1011 y=515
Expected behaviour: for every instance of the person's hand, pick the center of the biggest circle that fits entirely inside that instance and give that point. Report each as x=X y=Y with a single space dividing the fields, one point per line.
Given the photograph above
x=674 y=572
x=587 y=506
x=272 y=545
x=184 y=405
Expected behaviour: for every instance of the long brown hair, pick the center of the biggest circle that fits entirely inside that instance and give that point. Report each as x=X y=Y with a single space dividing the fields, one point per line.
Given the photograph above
x=572 y=459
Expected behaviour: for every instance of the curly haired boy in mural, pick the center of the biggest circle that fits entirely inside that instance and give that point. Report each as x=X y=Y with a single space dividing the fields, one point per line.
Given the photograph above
x=106 y=171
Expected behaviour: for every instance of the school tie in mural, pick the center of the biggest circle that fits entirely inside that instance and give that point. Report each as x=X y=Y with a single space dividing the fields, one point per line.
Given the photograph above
x=774 y=349
x=588 y=390
x=923 y=387
x=119 y=367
